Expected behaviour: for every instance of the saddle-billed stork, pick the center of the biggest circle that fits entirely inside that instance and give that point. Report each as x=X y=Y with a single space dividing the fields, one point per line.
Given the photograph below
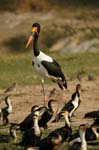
x=45 y=65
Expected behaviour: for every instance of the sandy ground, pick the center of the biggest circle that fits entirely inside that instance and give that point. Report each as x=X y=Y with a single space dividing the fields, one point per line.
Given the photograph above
x=26 y=97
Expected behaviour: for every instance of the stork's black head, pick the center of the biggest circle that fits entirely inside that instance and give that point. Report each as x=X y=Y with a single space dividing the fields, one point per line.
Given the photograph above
x=36 y=28
x=34 y=33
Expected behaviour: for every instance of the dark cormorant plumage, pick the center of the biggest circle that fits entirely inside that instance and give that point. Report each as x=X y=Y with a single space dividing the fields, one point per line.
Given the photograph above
x=96 y=121
x=80 y=145
x=28 y=122
x=56 y=137
x=47 y=115
x=73 y=104
x=90 y=135
x=4 y=112
x=92 y=114
x=13 y=128
x=31 y=137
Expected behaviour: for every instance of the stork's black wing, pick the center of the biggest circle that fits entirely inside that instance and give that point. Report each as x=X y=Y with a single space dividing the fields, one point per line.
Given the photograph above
x=53 y=68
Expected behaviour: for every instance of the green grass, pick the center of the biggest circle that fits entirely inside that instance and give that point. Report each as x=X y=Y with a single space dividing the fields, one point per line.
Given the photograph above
x=18 y=67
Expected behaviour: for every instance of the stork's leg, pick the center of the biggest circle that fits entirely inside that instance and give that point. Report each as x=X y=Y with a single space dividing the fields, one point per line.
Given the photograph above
x=43 y=90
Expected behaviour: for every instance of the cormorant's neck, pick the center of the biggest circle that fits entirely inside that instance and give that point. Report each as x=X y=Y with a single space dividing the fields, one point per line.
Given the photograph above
x=82 y=136
x=50 y=106
x=7 y=101
x=67 y=123
x=95 y=132
x=35 y=45
x=36 y=127
x=77 y=92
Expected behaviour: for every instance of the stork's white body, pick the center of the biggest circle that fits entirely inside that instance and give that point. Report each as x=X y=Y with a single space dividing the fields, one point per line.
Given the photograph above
x=40 y=69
